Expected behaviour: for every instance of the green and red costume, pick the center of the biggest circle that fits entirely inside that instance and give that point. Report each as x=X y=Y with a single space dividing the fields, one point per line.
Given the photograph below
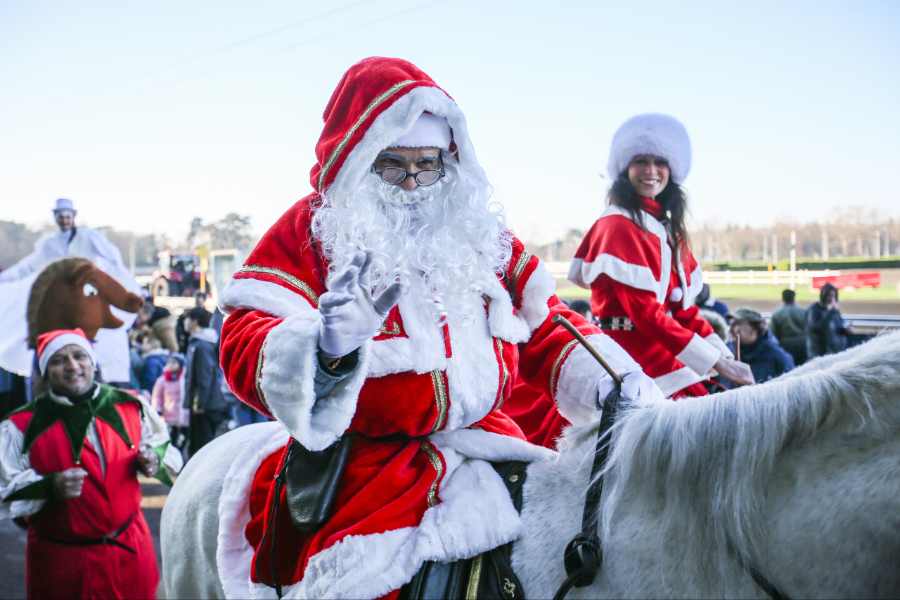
x=98 y=544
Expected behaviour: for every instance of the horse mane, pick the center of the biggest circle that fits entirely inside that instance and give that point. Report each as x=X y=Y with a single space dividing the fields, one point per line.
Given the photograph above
x=62 y=269
x=708 y=461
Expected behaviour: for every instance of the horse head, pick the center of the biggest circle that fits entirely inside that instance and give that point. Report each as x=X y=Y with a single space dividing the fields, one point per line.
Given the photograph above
x=74 y=292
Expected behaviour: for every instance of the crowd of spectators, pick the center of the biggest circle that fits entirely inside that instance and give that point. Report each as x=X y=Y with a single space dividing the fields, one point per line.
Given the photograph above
x=175 y=362
x=790 y=337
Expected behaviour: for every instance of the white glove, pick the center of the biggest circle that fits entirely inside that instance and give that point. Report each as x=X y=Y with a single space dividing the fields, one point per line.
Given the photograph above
x=350 y=315
x=638 y=388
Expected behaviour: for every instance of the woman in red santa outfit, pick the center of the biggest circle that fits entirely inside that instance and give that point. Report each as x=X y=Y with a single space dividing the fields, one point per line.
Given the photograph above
x=68 y=470
x=639 y=267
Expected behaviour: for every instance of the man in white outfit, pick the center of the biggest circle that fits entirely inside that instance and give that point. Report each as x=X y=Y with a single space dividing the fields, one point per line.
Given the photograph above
x=111 y=345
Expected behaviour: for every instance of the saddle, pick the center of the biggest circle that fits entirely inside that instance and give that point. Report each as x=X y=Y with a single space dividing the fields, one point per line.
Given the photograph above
x=488 y=576
x=310 y=480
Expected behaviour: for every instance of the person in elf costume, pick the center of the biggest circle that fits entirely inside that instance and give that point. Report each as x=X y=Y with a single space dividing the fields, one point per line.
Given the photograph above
x=393 y=306
x=68 y=469
x=639 y=267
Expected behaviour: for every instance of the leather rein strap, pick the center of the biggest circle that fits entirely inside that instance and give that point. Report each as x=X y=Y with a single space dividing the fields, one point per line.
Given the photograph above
x=583 y=556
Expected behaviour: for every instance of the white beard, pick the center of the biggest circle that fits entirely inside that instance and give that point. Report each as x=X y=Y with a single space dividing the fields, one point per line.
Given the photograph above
x=447 y=240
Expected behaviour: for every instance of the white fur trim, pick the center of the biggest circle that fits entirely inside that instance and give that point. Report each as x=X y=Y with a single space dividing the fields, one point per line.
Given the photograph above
x=582 y=380
x=399 y=117
x=287 y=383
x=493 y=447
x=700 y=355
x=475 y=515
x=233 y=553
x=473 y=373
x=61 y=341
x=503 y=321
x=639 y=277
x=651 y=133
x=670 y=383
x=717 y=343
x=421 y=351
x=682 y=280
x=537 y=291
x=263 y=295
x=428 y=131
x=694 y=288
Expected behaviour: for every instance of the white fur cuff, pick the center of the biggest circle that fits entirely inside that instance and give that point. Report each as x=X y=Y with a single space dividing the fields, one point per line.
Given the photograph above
x=717 y=342
x=287 y=384
x=581 y=378
x=700 y=355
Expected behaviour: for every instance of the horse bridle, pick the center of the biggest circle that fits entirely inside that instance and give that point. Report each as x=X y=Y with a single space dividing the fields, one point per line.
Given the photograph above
x=583 y=556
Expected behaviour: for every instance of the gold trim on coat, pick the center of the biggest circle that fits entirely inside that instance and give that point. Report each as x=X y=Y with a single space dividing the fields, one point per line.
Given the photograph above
x=286 y=277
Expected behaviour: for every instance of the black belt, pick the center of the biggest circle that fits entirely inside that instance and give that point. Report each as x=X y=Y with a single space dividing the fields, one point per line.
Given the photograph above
x=614 y=323
x=108 y=539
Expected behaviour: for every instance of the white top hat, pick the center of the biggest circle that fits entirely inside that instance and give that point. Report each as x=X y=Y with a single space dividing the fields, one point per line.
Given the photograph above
x=63 y=204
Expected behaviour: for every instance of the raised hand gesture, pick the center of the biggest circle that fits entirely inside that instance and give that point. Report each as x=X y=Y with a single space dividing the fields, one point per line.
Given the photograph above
x=350 y=315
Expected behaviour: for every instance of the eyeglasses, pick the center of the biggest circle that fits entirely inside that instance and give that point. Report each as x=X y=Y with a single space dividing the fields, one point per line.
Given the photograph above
x=396 y=175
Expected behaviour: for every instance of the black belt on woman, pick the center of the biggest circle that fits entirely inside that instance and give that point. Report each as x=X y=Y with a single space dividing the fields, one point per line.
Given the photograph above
x=614 y=323
x=109 y=538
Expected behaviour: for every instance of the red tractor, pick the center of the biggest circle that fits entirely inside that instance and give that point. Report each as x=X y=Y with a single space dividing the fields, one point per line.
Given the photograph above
x=177 y=275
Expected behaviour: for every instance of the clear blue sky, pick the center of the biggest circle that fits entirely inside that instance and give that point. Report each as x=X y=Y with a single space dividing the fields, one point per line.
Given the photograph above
x=147 y=114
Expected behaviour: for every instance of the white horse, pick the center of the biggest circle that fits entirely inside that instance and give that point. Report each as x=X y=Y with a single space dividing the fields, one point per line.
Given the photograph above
x=799 y=477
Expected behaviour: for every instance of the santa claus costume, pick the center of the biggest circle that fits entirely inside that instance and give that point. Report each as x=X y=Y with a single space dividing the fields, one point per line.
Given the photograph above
x=424 y=399
x=96 y=545
x=642 y=283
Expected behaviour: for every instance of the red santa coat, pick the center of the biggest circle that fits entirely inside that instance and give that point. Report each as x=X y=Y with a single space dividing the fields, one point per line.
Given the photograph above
x=635 y=272
x=425 y=401
x=108 y=501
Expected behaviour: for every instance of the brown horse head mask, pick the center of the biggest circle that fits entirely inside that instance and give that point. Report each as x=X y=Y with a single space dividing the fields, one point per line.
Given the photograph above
x=73 y=292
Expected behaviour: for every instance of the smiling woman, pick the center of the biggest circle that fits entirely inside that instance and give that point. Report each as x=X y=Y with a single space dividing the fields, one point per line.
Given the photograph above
x=637 y=262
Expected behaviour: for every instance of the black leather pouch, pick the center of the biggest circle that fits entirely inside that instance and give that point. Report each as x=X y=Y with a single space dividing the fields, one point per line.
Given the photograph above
x=312 y=480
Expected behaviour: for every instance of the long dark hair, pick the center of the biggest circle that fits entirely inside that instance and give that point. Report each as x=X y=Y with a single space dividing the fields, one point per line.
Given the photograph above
x=673 y=199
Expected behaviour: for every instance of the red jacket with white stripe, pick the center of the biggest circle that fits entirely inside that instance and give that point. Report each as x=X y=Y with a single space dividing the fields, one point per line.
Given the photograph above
x=425 y=401
x=635 y=272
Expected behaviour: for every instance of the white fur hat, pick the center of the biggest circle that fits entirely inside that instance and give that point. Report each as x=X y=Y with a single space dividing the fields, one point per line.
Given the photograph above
x=651 y=133
x=429 y=131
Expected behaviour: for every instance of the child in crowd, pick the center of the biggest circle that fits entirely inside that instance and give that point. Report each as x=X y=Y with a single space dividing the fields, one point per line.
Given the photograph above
x=153 y=360
x=167 y=399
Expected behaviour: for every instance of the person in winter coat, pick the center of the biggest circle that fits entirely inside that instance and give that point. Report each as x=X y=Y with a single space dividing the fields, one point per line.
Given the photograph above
x=639 y=267
x=160 y=321
x=153 y=360
x=826 y=332
x=706 y=301
x=788 y=324
x=203 y=395
x=759 y=348
x=167 y=399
